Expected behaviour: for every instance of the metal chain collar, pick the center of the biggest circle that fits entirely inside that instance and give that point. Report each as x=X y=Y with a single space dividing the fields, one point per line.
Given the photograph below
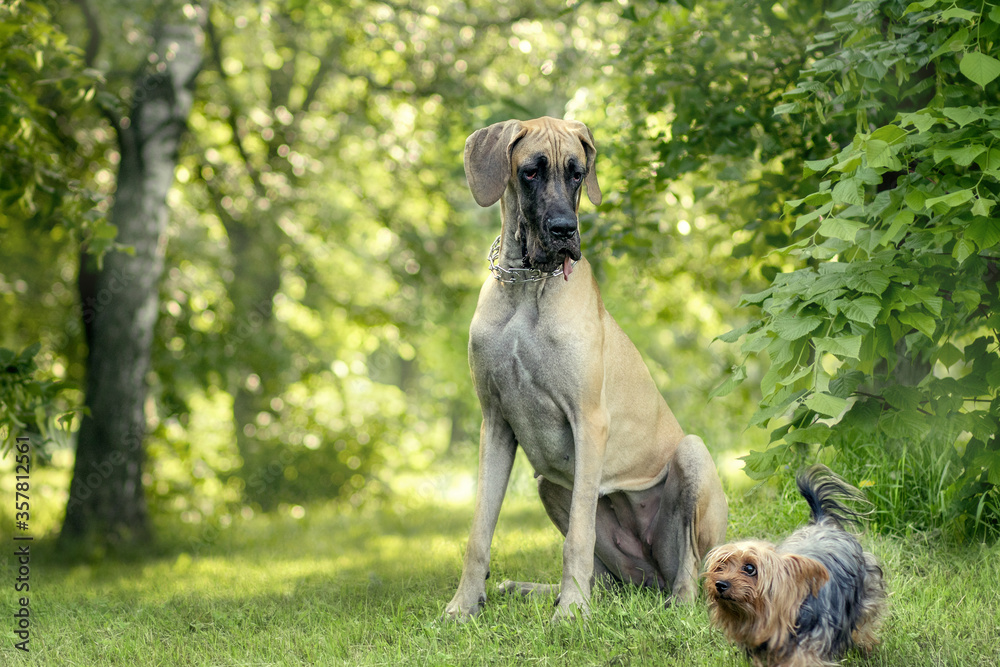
x=513 y=275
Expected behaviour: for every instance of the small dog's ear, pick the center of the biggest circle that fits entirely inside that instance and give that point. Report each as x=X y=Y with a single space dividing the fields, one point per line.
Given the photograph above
x=715 y=557
x=487 y=159
x=808 y=572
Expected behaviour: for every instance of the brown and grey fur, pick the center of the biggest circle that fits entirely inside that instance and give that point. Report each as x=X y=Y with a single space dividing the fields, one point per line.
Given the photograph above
x=807 y=600
x=637 y=499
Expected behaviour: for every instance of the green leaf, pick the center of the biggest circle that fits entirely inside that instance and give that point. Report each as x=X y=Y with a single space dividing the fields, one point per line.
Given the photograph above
x=879 y=153
x=963 y=115
x=903 y=425
x=736 y=377
x=902 y=397
x=919 y=6
x=846 y=382
x=923 y=120
x=959 y=13
x=948 y=355
x=969 y=299
x=984 y=231
x=962 y=156
x=849 y=160
x=841 y=346
x=990 y=160
x=848 y=191
x=963 y=249
x=952 y=199
x=922 y=322
x=789 y=327
x=982 y=206
x=814 y=434
x=872 y=69
x=806 y=218
x=980 y=68
x=931 y=301
x=956 y=42
x=890 y=134
x=735 y=334
x=840 y=228
x=900 y=221
x=817 y=166
x=863 y=309
x=782 y=399
x=916 y=199
x=870 y=282
x=790 y=107
x=761 y=465
x=755 y=342
x=756 y=297
x=826 y=404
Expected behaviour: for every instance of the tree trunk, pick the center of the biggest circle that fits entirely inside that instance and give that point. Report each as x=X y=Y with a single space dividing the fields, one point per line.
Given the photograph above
x=120 y=300
x=256 y=349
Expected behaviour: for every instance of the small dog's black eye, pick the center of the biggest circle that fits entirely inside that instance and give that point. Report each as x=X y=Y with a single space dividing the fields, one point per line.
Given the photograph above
x=750 y=570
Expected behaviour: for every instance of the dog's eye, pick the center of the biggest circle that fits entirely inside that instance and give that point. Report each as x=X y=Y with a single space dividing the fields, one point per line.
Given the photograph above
x=750 y=570
x=577 y=177
x=531 y=175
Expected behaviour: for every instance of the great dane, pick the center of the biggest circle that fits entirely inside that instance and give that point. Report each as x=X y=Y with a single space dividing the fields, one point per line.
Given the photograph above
x=636 y=499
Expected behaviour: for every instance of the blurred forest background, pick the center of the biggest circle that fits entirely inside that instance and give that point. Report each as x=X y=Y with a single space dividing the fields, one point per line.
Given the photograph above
x=253 y=215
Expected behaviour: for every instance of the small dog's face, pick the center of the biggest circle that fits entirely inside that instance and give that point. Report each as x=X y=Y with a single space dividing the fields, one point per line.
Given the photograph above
x=754 y=592
x=732 y=575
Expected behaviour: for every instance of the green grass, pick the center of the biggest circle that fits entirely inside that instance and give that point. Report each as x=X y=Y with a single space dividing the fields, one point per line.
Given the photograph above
x=368 y=589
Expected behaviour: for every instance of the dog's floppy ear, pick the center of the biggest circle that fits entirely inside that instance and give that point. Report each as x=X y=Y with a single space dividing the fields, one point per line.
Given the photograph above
x=487 y=159
x=807 y=572
x=587 y=139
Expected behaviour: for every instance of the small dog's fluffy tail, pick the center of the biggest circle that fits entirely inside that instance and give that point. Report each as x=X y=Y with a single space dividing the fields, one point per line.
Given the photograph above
x=824 y=491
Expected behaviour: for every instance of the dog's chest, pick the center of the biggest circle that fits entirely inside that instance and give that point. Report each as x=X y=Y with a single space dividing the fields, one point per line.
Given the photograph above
x=529 y=368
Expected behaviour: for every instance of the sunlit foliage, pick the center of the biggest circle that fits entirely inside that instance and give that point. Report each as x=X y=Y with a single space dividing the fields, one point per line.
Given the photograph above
x=43 y=88
x=884 y=345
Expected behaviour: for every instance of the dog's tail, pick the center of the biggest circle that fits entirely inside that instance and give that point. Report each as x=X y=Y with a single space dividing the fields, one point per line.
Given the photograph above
x=824 y=492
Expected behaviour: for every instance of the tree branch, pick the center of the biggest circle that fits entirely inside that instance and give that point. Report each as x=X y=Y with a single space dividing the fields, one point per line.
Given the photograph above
x=884 y=402
x=215 y=47
x=94 y=35
x=326 y=64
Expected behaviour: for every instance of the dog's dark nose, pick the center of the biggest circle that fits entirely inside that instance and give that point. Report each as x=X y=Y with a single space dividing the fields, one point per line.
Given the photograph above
x=562 y=227
x=722 y=586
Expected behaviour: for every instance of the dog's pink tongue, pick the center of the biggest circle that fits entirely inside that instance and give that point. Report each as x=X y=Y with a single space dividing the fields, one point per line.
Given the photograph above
x=567 y=268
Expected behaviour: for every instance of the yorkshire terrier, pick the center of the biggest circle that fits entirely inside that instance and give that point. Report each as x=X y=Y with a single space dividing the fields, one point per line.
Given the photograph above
x=809 y=599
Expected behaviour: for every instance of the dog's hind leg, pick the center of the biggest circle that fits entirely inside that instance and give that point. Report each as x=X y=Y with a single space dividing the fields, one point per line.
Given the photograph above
x=872 y=606
x=692 y=519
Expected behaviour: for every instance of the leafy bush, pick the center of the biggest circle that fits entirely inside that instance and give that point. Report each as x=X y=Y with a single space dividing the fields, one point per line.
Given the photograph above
x=884 y=346
x=29 y=406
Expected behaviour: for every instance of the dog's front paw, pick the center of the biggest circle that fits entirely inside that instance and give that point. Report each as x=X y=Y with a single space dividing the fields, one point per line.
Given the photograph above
x=683 y=592
x=568 y=608
x=570 y=612
x=461 y=610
